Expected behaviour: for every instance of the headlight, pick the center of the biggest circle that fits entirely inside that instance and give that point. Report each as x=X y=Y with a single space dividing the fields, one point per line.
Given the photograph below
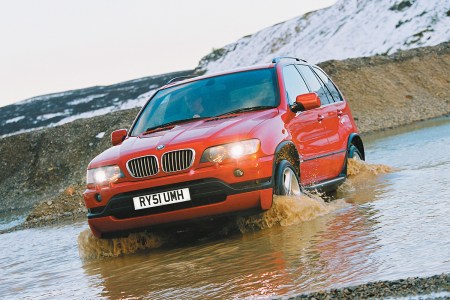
x=233 y=150
x=104 y=175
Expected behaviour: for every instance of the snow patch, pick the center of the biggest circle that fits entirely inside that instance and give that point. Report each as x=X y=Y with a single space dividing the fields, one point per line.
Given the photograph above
x=100 y=135
x=85 y=115
x=138 y=102
x=53 y=115
x=22 y=131
x=85 y=100
x=14 y=120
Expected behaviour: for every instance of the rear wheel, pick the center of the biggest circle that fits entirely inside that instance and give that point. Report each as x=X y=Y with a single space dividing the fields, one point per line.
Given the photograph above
x=354 y=153
x=286 y=179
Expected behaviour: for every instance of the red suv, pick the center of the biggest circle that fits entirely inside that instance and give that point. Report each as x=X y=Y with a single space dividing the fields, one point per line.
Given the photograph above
x=223 y=144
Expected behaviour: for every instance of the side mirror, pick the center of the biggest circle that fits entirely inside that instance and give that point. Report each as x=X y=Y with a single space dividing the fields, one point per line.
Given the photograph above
x=306 y=102
x=118 y=136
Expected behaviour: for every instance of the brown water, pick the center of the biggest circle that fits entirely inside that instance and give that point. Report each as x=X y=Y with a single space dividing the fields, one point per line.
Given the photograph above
x=385 y=223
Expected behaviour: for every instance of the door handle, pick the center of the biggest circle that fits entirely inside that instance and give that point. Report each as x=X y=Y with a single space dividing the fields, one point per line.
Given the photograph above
x=320 y=118
x=339 y=113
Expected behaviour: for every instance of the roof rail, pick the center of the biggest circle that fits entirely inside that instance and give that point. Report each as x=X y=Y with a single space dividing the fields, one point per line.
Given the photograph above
x=277 y=59
x=179 y=78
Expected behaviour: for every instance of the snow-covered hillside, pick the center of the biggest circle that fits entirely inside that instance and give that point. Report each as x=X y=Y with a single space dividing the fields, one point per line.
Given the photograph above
x=60 y=108
x=350 y=28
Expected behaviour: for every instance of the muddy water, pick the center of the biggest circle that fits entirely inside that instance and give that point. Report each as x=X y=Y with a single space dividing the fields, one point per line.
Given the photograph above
x=384 y=224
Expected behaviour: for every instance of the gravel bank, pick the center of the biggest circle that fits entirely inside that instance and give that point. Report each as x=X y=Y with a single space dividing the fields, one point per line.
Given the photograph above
x=434 y=287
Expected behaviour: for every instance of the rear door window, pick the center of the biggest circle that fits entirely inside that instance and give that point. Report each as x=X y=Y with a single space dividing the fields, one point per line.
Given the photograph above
x=329 y=84
x=293 y=83
x=315 y=85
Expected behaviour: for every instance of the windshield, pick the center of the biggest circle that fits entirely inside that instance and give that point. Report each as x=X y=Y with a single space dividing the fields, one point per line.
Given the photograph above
x=209 y=97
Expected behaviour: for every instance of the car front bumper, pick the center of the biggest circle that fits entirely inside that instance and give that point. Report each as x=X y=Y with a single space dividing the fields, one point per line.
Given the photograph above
x=210 y=196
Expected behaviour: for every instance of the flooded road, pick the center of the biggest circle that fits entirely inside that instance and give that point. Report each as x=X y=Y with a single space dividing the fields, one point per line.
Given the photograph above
x=384 y=225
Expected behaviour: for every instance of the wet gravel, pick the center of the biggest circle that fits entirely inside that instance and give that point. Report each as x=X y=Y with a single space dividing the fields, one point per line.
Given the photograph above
x=434 y=287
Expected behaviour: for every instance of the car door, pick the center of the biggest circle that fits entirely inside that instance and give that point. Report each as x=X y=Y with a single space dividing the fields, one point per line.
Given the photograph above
x=332 y=154
x=340 y=124
x=307 y=130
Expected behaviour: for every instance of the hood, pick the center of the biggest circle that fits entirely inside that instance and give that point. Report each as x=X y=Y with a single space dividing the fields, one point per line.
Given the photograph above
x=195 y=134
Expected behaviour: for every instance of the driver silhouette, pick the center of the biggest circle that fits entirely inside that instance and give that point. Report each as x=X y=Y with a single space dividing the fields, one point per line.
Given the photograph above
x=195 y=105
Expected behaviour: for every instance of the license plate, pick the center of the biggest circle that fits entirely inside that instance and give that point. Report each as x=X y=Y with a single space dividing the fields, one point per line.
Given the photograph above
x=159 y=199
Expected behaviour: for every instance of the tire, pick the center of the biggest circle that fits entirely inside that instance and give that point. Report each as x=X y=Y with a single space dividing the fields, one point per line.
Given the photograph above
x=354 y=153
x=286 y=179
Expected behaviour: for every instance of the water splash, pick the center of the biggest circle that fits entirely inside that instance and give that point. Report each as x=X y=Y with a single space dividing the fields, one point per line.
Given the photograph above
x=285 y=211
x=91 y=247
x=289 y=210
x=360 y=175
x=359 y=168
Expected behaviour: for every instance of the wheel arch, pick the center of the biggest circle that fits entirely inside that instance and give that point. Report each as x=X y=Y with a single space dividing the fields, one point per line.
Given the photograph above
x=288 y=151
x=355 y=139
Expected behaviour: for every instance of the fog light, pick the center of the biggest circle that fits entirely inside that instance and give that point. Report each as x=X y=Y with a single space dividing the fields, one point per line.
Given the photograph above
x=238 y=173
x=98 y=197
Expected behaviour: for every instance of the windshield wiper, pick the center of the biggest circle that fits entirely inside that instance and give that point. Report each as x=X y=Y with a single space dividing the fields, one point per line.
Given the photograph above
x=246 y=109
x=151 y=129
x=155 y=128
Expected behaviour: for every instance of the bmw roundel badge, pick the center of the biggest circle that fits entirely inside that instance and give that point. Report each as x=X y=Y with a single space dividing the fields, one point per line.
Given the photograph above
x=160 y=147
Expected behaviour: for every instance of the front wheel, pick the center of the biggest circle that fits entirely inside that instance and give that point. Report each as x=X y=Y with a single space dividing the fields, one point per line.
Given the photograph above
x=286 y=179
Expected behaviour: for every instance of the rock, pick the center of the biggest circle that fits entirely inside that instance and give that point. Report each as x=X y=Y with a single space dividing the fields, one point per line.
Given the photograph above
x=403 y=288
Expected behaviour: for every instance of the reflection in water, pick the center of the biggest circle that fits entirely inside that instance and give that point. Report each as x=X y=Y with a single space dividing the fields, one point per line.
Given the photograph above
x=308 y=256
x=346 y=246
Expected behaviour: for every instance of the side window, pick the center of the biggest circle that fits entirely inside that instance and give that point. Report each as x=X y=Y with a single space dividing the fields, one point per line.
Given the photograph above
x=294 y=83
x=315 y=85
x=329 y=84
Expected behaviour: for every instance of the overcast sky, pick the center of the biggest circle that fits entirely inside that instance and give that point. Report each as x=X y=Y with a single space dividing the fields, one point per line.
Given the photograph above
x=49 y=46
